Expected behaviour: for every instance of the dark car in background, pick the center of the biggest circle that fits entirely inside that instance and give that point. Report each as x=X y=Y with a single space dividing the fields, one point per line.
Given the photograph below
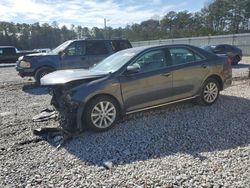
x=72 y=54
x=10 y=54
x=233 y=52
x=134 y=80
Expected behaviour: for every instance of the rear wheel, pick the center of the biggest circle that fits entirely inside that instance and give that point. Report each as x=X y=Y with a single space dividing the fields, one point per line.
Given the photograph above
x=101 y=113
x=210 y=92
x=42 y=72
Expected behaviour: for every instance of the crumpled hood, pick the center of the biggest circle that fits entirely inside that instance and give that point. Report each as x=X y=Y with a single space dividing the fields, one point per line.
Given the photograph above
x=39 y=54
x=65 y=76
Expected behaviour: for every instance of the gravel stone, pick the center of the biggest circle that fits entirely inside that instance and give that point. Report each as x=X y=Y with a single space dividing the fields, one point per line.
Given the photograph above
x=181 y=145
x=108 y=164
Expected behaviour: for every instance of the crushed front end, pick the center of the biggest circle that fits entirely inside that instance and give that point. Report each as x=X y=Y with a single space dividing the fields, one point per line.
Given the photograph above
x=66 y=107
x=69 y=88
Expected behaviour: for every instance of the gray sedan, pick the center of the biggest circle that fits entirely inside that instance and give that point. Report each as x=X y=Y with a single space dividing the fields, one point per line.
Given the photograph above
x=134 y=80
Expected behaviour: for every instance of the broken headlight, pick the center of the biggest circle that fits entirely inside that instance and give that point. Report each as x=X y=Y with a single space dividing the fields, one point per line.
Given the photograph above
x=25 y=64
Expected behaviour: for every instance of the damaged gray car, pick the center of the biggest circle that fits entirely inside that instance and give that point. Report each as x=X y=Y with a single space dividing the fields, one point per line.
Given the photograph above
x=134 y=80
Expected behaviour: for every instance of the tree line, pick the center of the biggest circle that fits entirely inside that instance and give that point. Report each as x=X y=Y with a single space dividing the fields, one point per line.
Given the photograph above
x=217 y=17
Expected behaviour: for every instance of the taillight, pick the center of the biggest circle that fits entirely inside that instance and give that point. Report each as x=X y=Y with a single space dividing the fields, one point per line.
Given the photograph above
x=229 y=61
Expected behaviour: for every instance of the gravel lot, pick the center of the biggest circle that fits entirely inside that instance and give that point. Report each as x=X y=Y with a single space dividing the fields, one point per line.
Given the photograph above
x=185 y=144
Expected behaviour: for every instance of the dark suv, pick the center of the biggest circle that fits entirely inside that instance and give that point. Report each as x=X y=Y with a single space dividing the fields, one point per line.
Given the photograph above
x=9 y=54
x=72 y=54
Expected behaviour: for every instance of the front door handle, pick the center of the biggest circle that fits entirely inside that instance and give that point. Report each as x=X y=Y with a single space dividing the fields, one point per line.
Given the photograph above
x=167 y=74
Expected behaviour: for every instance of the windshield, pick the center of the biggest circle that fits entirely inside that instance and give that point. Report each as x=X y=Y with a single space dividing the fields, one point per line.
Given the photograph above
x=208 y=48
x=114 y=62
x=61 y=47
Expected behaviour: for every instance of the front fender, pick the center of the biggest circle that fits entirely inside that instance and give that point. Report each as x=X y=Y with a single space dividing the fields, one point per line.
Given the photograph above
x=50 y=61
x=85 y=92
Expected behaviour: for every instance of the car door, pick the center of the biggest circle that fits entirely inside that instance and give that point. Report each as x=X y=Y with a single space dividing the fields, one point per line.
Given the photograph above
x=96 y=51
x=189 y=70
x=74 y=56
x=9 y=55
x=151 y=85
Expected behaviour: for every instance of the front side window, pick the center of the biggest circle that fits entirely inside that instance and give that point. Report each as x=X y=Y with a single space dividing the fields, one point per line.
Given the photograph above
x=75 y=49
x=151 y=61
x=96 y=48
x=183 y=56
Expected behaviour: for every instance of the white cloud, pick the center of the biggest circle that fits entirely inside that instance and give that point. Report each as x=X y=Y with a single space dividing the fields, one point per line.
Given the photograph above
x=156 y=2
x=80 y=12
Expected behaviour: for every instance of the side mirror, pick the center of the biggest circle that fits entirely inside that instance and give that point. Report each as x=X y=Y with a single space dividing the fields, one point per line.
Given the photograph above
x=133 y=69
x=61 y=53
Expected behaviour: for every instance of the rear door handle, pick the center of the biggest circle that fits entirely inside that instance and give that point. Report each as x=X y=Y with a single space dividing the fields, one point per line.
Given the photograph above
x=204 y=66
x=167 y=74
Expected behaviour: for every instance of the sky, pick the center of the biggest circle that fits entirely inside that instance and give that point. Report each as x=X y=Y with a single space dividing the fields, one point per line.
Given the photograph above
x=91 y=13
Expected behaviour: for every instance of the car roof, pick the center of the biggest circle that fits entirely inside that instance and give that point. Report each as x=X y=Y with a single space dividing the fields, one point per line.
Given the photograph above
x=222 y=45
x=7 y=47
x=99 y=39
x=141 y=48
x=138 y=50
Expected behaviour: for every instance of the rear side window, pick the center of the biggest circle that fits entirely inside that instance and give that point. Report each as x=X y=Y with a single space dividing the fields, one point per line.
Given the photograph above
x=118 y=45
x=183 y=56
x=96 y=48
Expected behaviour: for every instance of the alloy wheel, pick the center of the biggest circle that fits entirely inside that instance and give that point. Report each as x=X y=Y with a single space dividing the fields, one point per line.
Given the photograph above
x=210 y=92
x=103 y=114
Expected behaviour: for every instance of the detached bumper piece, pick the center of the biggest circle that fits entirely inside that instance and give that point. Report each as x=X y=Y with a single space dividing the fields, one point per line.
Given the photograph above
x=45 y=115
x=55 y=133
x=67 y=113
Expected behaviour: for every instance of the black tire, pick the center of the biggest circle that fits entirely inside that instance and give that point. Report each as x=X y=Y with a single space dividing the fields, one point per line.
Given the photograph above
x=204 y=95
x=42 y=72
x=89 y=112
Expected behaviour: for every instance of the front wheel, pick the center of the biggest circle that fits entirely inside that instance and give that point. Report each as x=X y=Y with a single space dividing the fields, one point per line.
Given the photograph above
x=210 y=91
x=41 y=73
x=101 y=113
